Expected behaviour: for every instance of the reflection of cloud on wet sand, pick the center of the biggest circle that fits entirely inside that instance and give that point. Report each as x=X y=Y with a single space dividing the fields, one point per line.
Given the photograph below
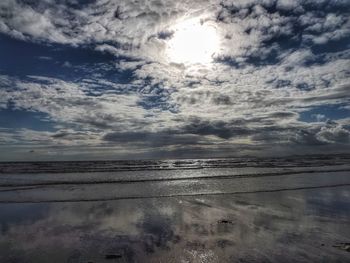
x=293 y=226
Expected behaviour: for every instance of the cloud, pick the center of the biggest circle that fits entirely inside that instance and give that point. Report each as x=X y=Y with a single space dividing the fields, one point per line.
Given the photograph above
x=68 y=102
x=155 y=139
x=276 y=60
x=319 y=117
x=334 y=133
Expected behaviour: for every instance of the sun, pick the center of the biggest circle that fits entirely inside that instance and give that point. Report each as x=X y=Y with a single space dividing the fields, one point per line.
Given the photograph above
x=193 y=42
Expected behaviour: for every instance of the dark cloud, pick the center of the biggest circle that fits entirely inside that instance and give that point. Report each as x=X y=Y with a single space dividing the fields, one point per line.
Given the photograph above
x=221 y=129
x=154 y=139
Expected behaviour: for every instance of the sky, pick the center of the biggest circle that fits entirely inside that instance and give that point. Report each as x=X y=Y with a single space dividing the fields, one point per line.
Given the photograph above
x=108 y=79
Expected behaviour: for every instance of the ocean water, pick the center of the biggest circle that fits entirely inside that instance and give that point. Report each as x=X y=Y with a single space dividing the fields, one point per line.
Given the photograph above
x=293 y=209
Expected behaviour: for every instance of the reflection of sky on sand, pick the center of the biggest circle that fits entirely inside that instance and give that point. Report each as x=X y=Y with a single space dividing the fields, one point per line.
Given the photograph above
x=289 y=226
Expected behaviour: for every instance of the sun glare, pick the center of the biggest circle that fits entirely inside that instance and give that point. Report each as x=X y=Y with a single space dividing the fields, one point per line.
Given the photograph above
x=193 y=42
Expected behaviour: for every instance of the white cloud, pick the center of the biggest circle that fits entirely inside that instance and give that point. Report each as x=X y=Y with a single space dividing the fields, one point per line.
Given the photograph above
x=256 y=74
x=67 y=102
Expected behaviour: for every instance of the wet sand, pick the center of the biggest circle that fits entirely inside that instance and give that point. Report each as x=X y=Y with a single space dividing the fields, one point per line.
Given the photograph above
x=273 y=213
x=286 y=226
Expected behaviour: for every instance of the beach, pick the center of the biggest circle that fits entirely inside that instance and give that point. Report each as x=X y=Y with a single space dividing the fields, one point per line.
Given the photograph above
x=276 y=211
x=162 y=131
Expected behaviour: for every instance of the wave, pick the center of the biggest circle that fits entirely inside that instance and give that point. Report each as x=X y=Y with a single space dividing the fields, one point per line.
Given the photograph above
x=162 y=179
x=184 y=164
